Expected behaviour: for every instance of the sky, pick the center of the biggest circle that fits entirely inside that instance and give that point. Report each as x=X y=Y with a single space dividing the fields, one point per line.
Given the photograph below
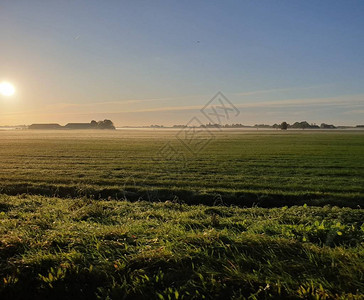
x=161 y=62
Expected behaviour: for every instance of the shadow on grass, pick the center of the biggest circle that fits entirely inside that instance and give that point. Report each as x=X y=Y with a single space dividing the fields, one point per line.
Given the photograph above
x=240 y=199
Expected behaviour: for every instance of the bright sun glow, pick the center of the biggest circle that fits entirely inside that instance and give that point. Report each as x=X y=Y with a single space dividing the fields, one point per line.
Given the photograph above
x=7 y=89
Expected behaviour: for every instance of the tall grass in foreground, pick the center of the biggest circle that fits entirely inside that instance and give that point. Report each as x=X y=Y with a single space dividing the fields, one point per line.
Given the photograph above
x=87 y=249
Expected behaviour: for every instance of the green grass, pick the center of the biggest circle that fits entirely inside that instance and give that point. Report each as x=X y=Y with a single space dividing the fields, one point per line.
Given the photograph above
x=242 y=168
x=276 y=215
x=84 y=249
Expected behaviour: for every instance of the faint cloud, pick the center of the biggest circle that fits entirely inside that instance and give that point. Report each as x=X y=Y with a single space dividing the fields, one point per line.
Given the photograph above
x=270 y=91
x=349 y=100
x=354 y=112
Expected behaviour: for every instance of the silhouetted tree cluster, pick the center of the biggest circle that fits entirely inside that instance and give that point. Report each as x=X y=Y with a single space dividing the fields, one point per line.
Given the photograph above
x=303 y=125
x=327 y=126
x=262 y=126
x=284 y=126
x=106 y=124
x=300 y=125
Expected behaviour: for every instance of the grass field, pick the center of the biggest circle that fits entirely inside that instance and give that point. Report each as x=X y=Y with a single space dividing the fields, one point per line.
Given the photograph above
x=83 y=249
x=242 y=168
x=67 y=232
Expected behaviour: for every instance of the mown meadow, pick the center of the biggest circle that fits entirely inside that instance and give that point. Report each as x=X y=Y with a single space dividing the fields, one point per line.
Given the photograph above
x=266 y=168
x=113 y=215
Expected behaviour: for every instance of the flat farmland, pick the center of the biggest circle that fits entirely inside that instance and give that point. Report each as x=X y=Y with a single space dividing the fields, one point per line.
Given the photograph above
x=276 y=215
x=245 y=168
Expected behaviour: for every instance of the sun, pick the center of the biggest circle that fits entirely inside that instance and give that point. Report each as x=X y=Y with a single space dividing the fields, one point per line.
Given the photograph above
x=7 y=89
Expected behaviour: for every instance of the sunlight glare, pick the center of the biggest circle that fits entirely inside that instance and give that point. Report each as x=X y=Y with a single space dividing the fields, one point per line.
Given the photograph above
x=7 y=89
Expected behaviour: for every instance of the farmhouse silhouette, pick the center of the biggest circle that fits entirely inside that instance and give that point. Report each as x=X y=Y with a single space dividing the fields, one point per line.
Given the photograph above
x=106 y=124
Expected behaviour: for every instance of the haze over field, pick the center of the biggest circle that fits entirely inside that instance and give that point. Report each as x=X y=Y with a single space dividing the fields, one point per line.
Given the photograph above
x=141 y=64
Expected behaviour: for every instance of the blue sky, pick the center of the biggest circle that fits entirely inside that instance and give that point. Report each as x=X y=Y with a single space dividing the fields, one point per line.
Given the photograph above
x=143 y=62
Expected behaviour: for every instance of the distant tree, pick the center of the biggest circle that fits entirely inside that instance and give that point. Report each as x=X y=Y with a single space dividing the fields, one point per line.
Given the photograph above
x=94 y=123
x=284 y=125
x=106 y=124
x=327 y=126
x=262 y=126
x=301 y=125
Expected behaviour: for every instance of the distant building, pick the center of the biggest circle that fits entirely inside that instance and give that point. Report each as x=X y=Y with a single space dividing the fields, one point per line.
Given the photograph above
x=79 y=126
x=52 y=126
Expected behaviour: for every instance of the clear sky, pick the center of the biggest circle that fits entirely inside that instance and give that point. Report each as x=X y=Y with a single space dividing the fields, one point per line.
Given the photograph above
x=159 y=62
